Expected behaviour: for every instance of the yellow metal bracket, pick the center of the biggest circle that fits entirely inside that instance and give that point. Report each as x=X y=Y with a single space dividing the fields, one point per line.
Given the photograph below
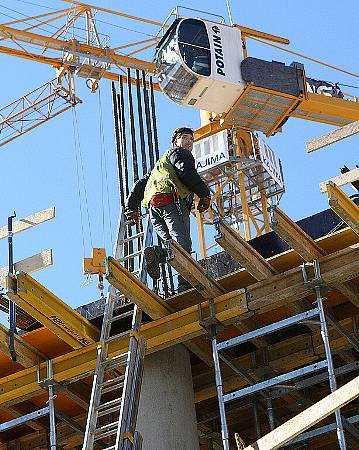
x=52 y=312
x=97 y=264
x=343 y=206
x=129 y=436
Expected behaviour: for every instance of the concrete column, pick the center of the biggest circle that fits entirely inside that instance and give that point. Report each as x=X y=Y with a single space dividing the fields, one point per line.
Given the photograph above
x=167 y=417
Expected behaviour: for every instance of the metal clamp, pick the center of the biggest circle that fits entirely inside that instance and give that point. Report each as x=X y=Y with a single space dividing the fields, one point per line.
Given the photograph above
x=317 y=283
x=211 y=324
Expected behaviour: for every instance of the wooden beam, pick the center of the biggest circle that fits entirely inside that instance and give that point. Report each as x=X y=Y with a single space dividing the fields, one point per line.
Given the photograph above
x=29 y=265
x=29 y=222
x=334 y=136
x=294 y=236
x=52 y=312
x=192 y=271
x=242 y=251
x=309 y=417
x=343 y=206
x=206 y=286
x=341 y=180
x=306 y=247
x=281 y=289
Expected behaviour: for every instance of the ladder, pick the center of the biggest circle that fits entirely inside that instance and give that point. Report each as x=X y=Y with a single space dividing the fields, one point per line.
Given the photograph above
x=112 y=414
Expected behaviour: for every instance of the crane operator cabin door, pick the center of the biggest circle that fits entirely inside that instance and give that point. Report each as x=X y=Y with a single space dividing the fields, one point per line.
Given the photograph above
x=198 y=64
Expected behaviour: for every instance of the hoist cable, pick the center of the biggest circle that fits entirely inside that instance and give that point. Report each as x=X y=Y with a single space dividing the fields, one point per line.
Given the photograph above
x=78 y=185
x=82 y=174
x=303 y=56
x=104 y=174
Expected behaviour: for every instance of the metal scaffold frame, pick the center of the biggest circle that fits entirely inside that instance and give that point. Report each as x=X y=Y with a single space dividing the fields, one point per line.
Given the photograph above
x=264 y=387
x=49 y=384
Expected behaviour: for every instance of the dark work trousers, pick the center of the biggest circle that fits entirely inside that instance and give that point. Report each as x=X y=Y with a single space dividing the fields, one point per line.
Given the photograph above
x=168 y=224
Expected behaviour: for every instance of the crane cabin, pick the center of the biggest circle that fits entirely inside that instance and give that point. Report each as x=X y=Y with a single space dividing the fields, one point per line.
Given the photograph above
x=199 y=64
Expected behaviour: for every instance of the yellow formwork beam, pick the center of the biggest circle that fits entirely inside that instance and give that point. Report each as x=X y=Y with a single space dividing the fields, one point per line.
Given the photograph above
x=52 y=312
x=178 y=327
x=132 y=288
x=343 y=206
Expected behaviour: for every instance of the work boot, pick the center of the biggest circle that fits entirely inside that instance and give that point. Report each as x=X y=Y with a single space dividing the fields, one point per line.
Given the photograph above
x=154 y=256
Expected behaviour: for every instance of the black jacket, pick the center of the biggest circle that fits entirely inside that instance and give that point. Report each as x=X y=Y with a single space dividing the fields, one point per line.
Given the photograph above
x=184 y=165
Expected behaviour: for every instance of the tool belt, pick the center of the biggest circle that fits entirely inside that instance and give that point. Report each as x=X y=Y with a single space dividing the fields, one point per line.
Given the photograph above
x=161 y=199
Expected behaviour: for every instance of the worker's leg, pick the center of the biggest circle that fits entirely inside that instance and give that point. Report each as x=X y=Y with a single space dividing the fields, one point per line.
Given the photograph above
x=155 y=255
x=159 y=223
x=168 y=224
x=178 y=225
x=179 y=230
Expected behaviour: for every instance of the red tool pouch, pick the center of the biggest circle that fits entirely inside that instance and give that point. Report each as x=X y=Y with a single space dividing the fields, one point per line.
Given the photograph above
x=159 y=200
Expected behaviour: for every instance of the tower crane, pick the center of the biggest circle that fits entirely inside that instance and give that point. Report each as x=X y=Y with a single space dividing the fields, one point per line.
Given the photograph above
x=199 y=63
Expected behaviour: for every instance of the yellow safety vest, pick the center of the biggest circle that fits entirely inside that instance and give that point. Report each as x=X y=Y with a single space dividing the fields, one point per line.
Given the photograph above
x=163 y=179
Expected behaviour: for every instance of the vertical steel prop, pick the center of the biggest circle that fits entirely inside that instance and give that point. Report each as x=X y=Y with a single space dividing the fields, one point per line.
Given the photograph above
x=118 y=144
x=140 y=123
x=148 y=121
x=12 y=305
x=154 y=120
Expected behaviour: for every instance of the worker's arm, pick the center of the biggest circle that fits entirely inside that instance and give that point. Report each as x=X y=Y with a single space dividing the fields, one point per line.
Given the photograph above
x=184 y=164
x=133 y=201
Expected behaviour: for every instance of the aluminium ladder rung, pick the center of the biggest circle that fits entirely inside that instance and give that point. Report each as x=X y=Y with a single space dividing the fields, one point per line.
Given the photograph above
x=109 y=382
x=106 y=427
x=130 y=256
x=108 y=411
x=132 y=238
x=101 y=433
x=112 y=387
x=110 y=365
x=117 y=336
x=110 y=403
x=121 y=316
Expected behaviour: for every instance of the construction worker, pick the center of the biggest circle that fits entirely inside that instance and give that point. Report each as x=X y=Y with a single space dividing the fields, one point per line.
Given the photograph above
x=168 y=192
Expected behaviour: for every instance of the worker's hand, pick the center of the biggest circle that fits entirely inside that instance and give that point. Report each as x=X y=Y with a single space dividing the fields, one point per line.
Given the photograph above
x=203 y=204
x=132 y=215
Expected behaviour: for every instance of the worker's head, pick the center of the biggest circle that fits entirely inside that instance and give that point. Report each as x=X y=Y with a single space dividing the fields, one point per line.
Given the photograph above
x=183 y=137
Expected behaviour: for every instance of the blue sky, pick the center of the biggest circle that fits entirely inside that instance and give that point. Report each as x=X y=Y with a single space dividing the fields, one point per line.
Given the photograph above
x=38 y=170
